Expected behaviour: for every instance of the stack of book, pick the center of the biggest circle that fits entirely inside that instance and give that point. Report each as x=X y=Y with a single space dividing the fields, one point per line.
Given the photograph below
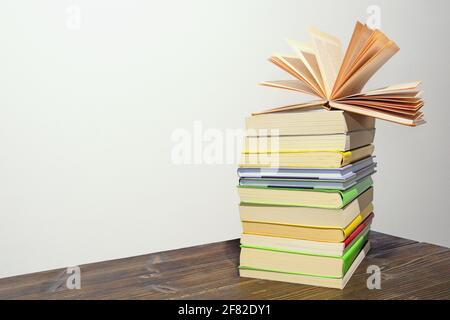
x=306 y=196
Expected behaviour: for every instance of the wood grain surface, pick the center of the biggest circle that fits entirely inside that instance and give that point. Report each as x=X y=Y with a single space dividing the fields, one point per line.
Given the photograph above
x=410 y=270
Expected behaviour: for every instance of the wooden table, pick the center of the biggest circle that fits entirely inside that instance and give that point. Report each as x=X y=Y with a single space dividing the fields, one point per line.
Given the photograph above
x=410 y=270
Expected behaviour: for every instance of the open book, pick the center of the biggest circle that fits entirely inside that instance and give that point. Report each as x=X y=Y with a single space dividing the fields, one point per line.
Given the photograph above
x=321 y=69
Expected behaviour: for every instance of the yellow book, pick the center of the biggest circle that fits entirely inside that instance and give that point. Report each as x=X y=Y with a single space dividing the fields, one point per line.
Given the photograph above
x=312 y=233
x=305 y=159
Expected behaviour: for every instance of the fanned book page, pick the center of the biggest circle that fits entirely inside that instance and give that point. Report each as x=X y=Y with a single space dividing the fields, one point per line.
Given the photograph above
x=329 y=55
x=322 y=70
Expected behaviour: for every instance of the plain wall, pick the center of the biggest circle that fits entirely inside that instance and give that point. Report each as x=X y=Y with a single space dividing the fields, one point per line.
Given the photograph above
x=87 y=115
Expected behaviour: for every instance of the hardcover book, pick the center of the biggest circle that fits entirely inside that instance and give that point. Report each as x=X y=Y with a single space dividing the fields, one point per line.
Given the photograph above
x=307 y=216
x=330 y=142
x=319 y=198
x=317 y=122
x=323 y=234
x=306 y=159
x=308 y=183
x=344 y=173
x=314 y=280
x=296 y=262
x=308 y=246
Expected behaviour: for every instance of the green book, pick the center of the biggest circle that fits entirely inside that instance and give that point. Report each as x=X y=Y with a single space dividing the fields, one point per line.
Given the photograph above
x=319 y=198
x=300 y=263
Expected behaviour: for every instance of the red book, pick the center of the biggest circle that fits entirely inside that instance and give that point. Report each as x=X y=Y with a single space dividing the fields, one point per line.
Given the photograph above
x=359 y=229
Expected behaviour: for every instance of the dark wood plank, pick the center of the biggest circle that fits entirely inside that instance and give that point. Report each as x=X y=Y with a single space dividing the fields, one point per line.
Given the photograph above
x=410 y=270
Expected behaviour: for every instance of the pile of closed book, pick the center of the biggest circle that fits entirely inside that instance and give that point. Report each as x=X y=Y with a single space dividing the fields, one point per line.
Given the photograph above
x=306 y=196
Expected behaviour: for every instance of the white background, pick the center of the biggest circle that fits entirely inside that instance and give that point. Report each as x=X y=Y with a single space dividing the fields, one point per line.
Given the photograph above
x=86 y=118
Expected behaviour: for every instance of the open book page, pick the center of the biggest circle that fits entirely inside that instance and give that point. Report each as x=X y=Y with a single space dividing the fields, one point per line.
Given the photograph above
x=329 y=54
x=404 y=96
x=359 y=79
x=395 y=104
x=307 y=106
x=405 y=89
x=306 y=53
x=323 y=71
x=401 y=118
x=296 y=68
x=409 y=96
x=294 y=85
x=282 y=66
x=299 y=67
x=377 y=42
x=360 y=36
x=411 y=109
